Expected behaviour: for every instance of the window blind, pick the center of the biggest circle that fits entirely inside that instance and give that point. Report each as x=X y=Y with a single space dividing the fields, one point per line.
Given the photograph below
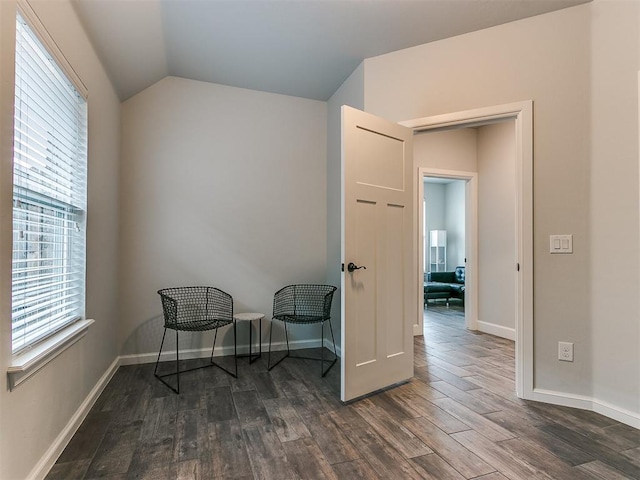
x=49 y=197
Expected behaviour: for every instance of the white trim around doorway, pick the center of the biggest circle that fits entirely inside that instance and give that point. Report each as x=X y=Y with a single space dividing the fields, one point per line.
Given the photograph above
x=522 y=113
x=471 y=242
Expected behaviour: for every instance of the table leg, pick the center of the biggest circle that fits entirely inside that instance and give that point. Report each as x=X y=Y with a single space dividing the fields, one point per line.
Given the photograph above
x=251 y=357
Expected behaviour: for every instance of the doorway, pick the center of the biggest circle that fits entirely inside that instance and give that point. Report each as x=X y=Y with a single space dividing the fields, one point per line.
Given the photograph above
x=522 y=263
x=456 y=232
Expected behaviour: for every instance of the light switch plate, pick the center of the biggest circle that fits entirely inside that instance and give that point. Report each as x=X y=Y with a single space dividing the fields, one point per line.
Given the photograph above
x=560 y=243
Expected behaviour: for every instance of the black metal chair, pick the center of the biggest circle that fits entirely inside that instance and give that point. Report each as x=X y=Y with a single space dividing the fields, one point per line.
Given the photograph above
x=195 y=309
x=303 y=304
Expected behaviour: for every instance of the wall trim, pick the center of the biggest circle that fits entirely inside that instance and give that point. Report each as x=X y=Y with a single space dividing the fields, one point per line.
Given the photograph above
x=169 y=355
x=47 y=461
x=329 y=346
x=622 y=415
x=471 y=243
x=587 y=403
x=497 y=330
x=24 y=365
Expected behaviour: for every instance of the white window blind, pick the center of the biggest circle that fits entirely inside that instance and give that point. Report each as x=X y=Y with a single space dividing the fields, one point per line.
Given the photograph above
x=49 y=197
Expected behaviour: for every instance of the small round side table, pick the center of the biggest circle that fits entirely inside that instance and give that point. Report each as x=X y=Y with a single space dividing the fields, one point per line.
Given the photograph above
x=250 y=317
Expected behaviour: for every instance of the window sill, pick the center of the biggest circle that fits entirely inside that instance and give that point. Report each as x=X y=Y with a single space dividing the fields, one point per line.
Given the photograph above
x=25 y=364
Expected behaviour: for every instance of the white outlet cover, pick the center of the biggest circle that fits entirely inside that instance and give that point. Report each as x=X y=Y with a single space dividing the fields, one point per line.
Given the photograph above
x=565 y=351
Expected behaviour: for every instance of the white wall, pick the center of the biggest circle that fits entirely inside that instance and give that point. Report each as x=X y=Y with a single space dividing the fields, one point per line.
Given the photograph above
x=455 y=195
x=446 y=150
x=504 y=64
x=579 y=66
x=445 y=210
x=221 y=186
x=613 y=205
x=350 y=93
x=489 y=151
x=497 y=226
x=36 y=412
x=434 y=195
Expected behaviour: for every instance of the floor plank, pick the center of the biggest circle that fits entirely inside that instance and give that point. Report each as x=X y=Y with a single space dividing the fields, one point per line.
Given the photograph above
x=266 y=454
x=385 y=460
x=596 y=449
x=285 y=419
x=432 y=467
x=307 y=460
x=228 y=456
x=355 y=470
x=387 y=427
x=498 y=457
x=331 y=439
x=460 y=458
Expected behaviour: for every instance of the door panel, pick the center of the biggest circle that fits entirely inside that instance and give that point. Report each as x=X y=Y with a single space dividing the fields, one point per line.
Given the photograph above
x=365 y=314
x=378 y=224
x=374 y=153
x=394 y=277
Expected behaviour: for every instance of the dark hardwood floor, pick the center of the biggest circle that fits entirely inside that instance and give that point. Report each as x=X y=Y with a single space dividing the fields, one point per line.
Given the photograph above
x=457 y=419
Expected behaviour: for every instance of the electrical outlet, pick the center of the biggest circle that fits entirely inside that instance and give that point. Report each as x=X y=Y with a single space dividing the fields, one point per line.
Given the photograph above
x=565 y=351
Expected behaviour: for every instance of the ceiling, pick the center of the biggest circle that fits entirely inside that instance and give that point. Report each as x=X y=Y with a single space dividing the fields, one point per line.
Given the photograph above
x=304 y=48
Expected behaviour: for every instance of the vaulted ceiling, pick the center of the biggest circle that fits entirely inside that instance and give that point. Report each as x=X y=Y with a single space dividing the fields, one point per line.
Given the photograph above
x=304 y=48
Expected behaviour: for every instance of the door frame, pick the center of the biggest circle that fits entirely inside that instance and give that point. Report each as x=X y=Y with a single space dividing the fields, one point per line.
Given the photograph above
x=470 y=248
x=522 y=114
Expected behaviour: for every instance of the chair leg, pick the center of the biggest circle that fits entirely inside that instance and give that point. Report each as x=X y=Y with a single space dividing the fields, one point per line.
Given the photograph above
x=322 y=349
x=161 y=377
x=269 y=354
x=235 y=347
x=178 y=362
x=178 y=371
x=160 y=352
x=286 y=335
x=215 y=336
x=214 y=344
x=324 y=373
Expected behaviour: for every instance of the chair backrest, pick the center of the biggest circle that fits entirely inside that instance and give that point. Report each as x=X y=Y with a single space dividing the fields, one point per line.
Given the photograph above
x=309 y=301
x=187 y=307
x=443 y=277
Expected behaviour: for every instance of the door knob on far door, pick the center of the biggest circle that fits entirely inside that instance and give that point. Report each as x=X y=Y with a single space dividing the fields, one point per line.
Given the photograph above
x=352 y=267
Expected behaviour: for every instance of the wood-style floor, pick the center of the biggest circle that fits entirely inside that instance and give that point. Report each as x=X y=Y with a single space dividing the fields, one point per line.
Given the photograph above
x=457 y=419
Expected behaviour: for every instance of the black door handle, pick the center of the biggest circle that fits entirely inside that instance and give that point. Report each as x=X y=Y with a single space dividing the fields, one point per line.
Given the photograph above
x=352 y=266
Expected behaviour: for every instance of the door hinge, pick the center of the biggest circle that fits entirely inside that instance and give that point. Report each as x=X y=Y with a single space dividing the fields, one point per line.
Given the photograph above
x=342 y=268
x=518 y=267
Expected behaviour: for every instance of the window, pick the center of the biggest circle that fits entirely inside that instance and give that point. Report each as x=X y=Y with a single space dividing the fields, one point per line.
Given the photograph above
x=49 y=194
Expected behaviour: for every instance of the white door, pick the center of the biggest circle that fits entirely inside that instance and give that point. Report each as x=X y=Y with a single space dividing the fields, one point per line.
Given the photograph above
x=378 y=300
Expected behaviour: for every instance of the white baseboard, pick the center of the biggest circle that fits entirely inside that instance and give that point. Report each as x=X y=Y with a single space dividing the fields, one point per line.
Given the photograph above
x=170 y=355
x=587 y=403
x=47 y=461
x=620 y=414
x=563 y=399
x=329 y=345
x=497 y=330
